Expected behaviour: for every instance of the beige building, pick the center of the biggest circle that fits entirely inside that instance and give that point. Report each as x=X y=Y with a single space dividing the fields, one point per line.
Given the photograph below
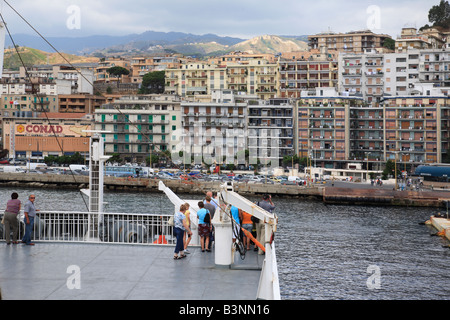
x=410 y=39
x=354 y=41
x=29 y=103
x=197 y=80
x=102 y=76
x=143 y=65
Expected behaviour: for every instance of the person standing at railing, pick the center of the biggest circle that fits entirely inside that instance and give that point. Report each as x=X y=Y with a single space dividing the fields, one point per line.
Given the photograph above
x=187 y=237
x=204 y=227
x=180 y=226
x=30 y=213
x=10 y=218
x=267 y=205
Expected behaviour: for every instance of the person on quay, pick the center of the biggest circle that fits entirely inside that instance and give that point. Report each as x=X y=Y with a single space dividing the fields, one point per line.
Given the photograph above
x=30 y=212
x=10 y=218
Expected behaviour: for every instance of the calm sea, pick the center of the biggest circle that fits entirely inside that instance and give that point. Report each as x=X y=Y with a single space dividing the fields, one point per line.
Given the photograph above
x=327 y=252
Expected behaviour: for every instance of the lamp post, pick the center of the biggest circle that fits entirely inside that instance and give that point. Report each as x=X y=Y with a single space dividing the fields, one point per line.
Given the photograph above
x=395 y=170
x=367 y=175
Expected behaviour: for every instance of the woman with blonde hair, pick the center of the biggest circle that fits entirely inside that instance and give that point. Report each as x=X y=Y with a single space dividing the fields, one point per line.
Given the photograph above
x=187 y=237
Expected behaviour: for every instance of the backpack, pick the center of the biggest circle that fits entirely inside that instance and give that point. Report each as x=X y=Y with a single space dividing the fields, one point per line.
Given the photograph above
x=207 y=218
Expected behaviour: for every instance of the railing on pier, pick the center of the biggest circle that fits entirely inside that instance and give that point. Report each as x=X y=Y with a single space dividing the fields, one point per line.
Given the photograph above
x=143 y=229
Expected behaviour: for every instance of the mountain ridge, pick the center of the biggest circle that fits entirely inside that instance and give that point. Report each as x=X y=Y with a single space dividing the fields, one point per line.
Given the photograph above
x=150 y=41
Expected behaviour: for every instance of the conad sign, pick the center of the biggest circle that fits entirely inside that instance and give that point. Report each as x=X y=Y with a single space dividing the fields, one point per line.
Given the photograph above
x=39 y=129
x=48 y=130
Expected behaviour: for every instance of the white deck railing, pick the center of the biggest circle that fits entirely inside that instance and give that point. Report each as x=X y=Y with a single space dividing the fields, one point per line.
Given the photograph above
x=145 y=229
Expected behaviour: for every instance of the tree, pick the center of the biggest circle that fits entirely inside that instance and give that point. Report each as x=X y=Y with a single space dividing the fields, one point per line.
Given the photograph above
x=153 y=82
x=440 y=15
x=389 y=44
x=389 y=170
x=118 y=72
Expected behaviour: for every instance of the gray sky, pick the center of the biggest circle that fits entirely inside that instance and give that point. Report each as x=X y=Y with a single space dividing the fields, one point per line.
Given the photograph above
x=243 y=18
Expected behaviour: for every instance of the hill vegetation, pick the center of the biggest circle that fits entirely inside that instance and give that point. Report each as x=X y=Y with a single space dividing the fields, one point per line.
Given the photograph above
x=32 y=57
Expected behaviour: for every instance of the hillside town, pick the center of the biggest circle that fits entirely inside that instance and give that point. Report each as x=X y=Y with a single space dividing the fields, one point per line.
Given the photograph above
x=355 y=99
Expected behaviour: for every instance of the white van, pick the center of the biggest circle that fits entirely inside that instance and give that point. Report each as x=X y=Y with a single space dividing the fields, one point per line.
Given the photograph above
x=12 y=169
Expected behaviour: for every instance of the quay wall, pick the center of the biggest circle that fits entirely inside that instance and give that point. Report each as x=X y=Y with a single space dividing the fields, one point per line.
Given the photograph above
x=326 y=194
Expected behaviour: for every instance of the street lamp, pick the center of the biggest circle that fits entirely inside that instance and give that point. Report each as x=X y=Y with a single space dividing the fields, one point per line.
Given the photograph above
x=367 y=175
x=395 y=169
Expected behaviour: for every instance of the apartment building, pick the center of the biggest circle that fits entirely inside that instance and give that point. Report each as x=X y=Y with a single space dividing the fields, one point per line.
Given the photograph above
x=80 y=103
x=140 y=66
x=434 y=67
x=362 y=75
x=215 y=131
x=139 y=125
x=402 y=73
x=272 y=131
x=354 y=41
x=336 y=130
x=101 y=74
x=240 y=57
x=301 y=74
x=410 y=39
x=417 y=129
x=323 y=127
x=197 y=80
x=19 y=103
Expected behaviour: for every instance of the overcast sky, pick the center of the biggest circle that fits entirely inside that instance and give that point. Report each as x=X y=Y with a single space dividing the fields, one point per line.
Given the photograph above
x=239 y=18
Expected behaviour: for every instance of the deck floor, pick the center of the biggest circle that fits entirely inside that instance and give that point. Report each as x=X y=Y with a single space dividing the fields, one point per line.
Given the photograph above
x=46 y=271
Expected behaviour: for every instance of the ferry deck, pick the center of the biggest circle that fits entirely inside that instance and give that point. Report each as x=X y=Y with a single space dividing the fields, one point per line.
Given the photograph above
x=71 y=271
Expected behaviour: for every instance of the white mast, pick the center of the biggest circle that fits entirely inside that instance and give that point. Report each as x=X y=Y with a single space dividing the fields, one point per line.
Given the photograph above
x=2 y=46
x=95 y=192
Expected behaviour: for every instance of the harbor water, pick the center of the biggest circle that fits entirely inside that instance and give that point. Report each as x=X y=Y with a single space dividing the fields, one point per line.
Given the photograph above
x=324 y=252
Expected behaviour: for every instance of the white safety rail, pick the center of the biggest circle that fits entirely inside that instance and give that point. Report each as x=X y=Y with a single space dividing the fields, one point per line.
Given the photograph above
x=126 y=228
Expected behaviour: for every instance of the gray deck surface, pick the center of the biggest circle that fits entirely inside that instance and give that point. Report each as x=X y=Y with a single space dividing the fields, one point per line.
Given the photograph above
x=122 y=272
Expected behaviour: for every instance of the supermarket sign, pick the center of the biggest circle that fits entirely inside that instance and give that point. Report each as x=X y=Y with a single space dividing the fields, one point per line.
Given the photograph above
x=39 y=129
x=49 y=130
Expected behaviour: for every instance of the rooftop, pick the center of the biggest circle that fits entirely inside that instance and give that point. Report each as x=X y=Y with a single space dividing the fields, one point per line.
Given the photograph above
x=48 y=271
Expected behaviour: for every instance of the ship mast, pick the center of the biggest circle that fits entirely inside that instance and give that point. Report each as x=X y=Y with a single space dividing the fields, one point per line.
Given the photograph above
x=95 y=192
x=2 y=46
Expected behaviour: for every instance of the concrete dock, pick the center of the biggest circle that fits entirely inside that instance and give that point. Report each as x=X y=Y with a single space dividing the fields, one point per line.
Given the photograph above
x=442 y=225
x=338 y=193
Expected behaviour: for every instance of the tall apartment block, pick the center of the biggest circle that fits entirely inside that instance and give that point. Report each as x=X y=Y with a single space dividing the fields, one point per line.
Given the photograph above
x=323 y=127
x=417 y=129
x=354 y=41
x=272 y=130
x=139 y=125
x=362 y=75
x=214 y=131
x=298 y=75
x=434 y=67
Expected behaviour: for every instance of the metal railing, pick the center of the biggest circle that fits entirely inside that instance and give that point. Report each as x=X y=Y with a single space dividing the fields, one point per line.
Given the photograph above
x=143 y=229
